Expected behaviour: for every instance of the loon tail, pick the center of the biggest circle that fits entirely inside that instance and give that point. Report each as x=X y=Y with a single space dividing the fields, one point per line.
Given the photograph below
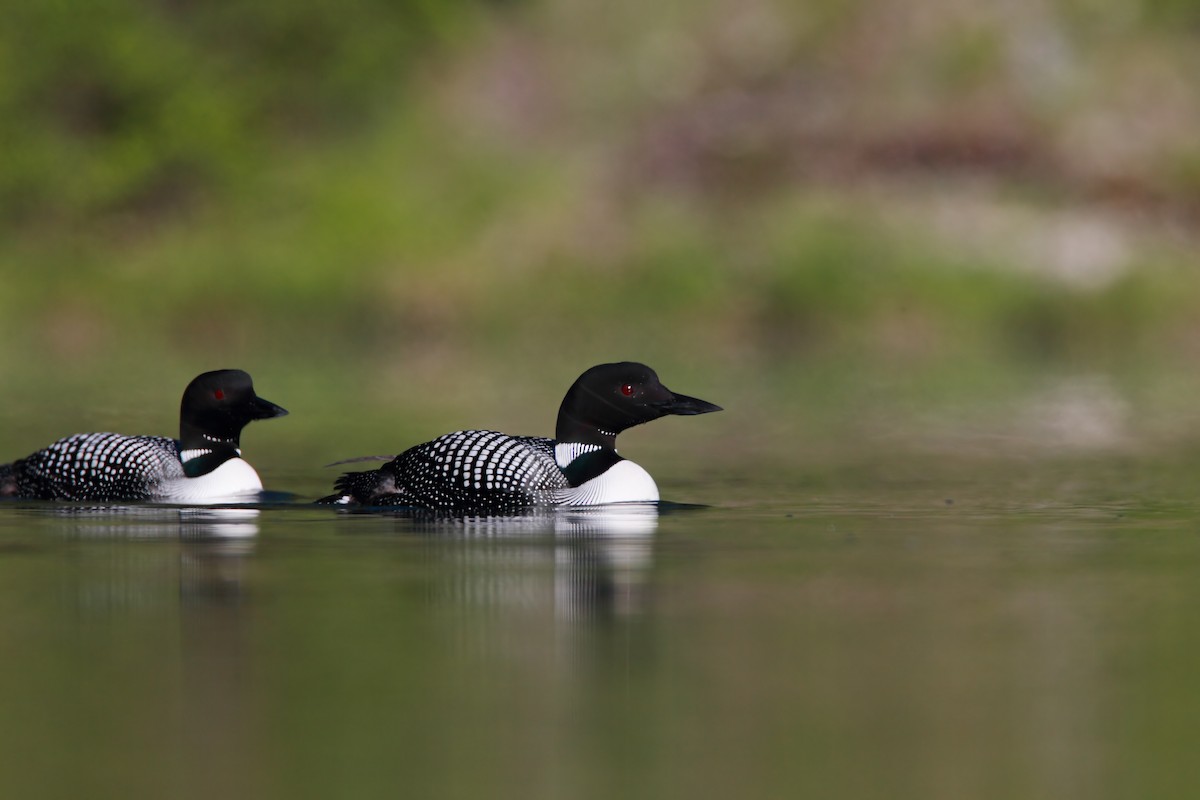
x=363 y=488
x=8 y=480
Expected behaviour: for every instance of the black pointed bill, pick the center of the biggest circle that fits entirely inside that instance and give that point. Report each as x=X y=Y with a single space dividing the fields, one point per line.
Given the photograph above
x=265 y=409
x=683 y=405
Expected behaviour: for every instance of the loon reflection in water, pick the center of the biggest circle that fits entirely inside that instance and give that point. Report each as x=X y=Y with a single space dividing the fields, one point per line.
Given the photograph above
x=571 y=565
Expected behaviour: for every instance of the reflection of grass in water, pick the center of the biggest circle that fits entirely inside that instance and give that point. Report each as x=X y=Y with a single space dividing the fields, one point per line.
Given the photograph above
x=808 y=427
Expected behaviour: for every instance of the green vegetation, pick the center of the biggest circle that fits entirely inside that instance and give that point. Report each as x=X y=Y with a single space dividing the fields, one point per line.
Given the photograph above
x=395 y=192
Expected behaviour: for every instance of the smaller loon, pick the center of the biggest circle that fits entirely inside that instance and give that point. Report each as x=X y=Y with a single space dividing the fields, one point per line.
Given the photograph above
x=203 y=466
x=478 y=471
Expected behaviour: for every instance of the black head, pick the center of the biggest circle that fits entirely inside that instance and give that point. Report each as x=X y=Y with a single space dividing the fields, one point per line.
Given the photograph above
x=610 y=398
x=217 y=405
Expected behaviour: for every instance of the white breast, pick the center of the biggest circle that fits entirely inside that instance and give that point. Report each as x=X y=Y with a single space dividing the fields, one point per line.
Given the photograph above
x=623 y=482
x=234 y=481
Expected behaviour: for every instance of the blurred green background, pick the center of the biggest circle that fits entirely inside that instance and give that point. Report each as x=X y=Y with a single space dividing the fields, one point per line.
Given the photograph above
x=882 y=217
x=937 y=260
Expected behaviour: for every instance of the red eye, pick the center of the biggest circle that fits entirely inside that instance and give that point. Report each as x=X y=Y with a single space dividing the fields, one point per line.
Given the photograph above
x=219 y=394
x=627 y=389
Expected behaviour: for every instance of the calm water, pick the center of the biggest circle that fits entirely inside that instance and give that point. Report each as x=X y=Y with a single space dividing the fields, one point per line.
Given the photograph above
x=1023 y=631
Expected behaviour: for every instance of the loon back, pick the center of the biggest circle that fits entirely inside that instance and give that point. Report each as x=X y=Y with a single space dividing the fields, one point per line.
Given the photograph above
x=102 y=467
x=469 y=471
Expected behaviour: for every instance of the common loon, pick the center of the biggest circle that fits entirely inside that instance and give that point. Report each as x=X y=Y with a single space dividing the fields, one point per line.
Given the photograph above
x=485 y=471
x=203 y=466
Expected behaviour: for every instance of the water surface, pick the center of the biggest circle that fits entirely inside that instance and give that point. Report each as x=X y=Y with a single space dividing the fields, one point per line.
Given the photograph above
x=1026 y=632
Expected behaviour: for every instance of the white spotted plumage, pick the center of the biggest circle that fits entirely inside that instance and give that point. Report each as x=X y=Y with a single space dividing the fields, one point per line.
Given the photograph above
x=203 y=465
x=566 y=452
x=91 y=466
x=469 y=469
x=496 y=471
x=113 y=466
x=479 y=471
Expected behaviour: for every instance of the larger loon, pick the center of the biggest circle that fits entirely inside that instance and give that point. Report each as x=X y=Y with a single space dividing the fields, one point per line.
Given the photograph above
x=203 y=466
x=488 y=472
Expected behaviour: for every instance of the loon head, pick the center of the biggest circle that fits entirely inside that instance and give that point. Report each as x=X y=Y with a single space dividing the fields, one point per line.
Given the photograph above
x=215 y=408
x=610 y=398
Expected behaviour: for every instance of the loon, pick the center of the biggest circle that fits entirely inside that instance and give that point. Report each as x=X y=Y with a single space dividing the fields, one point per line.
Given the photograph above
x=477 y=471
x=203 y=466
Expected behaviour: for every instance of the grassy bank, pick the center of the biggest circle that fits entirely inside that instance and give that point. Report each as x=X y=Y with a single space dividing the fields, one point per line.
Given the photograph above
x=481 y=200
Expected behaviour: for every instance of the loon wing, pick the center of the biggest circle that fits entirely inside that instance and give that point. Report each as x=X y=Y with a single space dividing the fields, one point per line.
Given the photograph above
x=358 y=459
